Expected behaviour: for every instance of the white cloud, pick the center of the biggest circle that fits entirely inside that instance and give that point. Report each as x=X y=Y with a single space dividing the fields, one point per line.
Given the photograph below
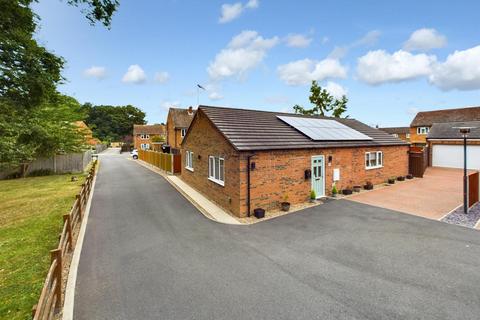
x=231 y=11
x=424 y=40
x=460 y=71
x=244 y=52
x=298 y=40
x=368 y=40
x=215 y=96
x=377 y=67
x=302 y=72
x=169 y=104
x=325 y=40
x=162 y=77
x=134 y=74
x=335 y=89
x=412 y=111
x=96 y=72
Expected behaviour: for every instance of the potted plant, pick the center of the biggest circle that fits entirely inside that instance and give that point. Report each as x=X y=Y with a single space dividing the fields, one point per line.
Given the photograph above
x=347 y=191
x=391 y=180
x=357 y=188
x=334 y=191
x=368 y=185
x=401 y=178
x=259 y=213
x=409 y=176
x=285 y=204
x=313 y=196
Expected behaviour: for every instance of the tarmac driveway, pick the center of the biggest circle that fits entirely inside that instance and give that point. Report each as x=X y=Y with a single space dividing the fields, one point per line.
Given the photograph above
x=433 y=196
x=149 y=254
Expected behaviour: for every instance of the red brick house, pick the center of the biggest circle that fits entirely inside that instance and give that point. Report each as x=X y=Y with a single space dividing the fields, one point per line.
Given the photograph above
x=244 y=159
x=178 y=121
x=145 y=136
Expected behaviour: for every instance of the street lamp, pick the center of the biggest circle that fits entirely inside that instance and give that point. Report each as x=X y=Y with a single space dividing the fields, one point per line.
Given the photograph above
x=464 y=131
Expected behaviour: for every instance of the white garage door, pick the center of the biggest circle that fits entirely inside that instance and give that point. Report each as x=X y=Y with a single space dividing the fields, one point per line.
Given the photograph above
x=452 y=156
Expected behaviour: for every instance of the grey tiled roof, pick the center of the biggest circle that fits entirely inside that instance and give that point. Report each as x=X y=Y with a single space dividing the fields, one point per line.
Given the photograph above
x=396 y=130
x=427 y=118
x=249 y=130
x=450 y=130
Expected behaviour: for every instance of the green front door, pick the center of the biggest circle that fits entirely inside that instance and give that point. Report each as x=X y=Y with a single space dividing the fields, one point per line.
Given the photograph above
x=318 y=176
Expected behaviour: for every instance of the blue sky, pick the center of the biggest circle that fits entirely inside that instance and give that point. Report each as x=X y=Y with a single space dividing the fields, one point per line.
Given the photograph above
x=391 y=58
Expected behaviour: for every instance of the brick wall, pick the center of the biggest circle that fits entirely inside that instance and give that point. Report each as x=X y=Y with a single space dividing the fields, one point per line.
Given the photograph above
x=417 y=138
x=137 y=141
x=174 y=136
x=204 y=141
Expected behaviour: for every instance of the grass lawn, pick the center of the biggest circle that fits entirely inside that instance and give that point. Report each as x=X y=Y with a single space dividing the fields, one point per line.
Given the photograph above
x=31 y=212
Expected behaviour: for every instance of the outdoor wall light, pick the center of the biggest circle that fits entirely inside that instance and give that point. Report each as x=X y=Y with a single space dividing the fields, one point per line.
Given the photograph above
x=252 y=166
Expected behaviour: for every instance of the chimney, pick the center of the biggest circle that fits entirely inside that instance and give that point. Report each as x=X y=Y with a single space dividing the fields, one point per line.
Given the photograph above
x=190 y=110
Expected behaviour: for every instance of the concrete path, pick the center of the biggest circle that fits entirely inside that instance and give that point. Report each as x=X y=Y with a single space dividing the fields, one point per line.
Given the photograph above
x=433 y=196
x=149 y=254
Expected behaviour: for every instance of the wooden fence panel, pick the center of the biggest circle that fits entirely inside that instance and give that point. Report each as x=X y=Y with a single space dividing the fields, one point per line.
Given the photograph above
x=473 y=190
x=177 y=163
x=416 y=164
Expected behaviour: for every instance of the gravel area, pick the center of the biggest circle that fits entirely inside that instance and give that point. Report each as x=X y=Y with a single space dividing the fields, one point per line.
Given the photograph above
x=466 y=220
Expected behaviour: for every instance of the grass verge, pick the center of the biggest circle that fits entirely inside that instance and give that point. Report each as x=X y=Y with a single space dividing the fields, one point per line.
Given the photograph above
x=31 y=212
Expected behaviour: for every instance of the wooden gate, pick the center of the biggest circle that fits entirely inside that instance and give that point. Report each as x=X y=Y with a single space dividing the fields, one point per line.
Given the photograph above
x=473 y=192
x=417 y=162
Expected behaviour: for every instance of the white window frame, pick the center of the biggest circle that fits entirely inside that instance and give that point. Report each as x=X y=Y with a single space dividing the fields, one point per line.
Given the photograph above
x=189 y=160
x=145 y=146
x=423 y=130
x=395 y=135
x=378 y=160
x=215 y=173
x=183 y=132
x=144 y=136
x=407 y=136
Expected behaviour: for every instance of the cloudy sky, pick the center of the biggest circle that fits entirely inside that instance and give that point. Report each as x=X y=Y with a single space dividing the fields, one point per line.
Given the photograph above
x=390 y=58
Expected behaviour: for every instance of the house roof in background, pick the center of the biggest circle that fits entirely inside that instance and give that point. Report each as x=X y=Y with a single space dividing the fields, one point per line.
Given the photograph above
x=181 y=117
x=449 y=130
x=159 y=129
x=396 y=130
x=427 y=118
x=250 y=130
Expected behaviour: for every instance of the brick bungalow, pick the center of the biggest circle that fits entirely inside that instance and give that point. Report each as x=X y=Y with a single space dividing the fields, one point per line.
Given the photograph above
x=178 y=121
x=402 y=133
x=423 y=121
x=145 y=136
x=244 y=159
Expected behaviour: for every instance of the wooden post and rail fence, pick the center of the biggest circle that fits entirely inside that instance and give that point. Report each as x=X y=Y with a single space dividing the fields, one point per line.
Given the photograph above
x=171 y=163
x=50 y=301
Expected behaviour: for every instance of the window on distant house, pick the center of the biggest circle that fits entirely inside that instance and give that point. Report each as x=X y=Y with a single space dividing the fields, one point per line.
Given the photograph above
x=216 y=170
x=423 y=130
x=145 y=146
x=373 y=159
x=395 y=135
x=189 y=160
x=183 y=132
x=407 y=135
x=144 y=136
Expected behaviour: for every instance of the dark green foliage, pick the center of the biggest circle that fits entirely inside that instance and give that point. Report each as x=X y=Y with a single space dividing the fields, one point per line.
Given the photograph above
x=41 y=173
x=323 y=102
x=112 y=123
x=98 y=10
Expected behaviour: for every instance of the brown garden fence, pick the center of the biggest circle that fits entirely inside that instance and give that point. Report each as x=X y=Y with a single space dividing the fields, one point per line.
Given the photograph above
x=417 y=161
x=171 y=163
x=473 y=192
x=50 y=301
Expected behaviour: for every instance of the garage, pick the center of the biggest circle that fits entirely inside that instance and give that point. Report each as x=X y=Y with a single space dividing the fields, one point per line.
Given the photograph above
x=451 y=156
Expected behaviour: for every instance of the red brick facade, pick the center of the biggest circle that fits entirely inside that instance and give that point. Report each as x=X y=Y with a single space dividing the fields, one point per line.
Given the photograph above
x=277 y=173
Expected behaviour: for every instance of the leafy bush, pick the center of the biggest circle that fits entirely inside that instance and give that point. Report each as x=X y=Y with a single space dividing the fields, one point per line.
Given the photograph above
x=41 y=173
x=313 y=195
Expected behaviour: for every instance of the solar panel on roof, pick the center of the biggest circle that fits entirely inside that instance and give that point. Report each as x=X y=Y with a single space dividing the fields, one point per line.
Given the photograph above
x=323 y=129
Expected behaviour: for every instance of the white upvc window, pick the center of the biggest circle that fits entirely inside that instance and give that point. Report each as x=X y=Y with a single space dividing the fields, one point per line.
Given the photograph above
x=395 y=135
x=373 y=159
x=423 y=130
x=216 y=170
x=189 y=160
x=407 y=135
x=183 y=132
x=144 y=136
x=145 y=146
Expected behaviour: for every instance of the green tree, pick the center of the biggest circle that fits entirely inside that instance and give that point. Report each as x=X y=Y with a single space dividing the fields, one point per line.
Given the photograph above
x=112 y=123
x=323 y=102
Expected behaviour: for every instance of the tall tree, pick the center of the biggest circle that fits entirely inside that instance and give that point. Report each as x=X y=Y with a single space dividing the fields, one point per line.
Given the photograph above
x=323 y=102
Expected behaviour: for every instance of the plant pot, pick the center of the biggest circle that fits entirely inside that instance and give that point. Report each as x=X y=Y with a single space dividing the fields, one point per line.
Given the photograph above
x=347 y=192
x=391 y=181
x=368 y=187
x=357 y=188
x=401 y=178
x=409 y=176
x=313 y=200
x=259 y=213
x=334 y=195
x=285 y=206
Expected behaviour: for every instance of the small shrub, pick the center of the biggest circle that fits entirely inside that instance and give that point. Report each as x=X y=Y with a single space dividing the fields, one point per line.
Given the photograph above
x=40 y=173
x=13 y=175
x=313 y=195
x=334 y=190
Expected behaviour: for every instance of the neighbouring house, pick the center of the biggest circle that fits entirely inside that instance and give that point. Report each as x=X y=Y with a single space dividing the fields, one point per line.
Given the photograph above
x=423 y=121
x=146 y=136
x=243 y=159
x=446 y=145
x=178 y=121
x=402 y=133
x=87 y=133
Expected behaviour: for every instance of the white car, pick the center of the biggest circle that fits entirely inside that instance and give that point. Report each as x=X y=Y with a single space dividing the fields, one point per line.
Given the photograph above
x=134 y=154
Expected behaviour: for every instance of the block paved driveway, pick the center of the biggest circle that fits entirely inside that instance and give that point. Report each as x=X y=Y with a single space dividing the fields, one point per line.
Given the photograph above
x=149 y=254
x=433 y=196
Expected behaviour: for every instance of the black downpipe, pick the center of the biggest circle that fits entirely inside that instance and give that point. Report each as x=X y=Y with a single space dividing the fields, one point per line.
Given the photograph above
x=248 y=185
